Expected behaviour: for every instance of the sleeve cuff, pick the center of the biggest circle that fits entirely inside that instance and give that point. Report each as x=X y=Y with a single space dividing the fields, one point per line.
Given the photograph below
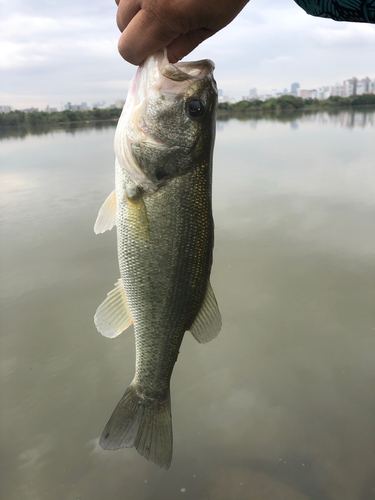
x=360 y=11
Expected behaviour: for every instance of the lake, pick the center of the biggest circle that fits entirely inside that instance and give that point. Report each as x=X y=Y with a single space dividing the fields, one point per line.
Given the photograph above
x=281 y=405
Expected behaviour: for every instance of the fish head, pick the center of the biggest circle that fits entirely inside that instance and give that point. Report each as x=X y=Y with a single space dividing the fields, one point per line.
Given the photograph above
x=168 y=121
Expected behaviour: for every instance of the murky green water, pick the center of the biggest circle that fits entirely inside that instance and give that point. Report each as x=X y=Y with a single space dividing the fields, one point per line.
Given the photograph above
x=281 y=405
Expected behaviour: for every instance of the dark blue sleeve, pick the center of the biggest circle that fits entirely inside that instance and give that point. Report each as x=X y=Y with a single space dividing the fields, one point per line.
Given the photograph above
x=360 y=11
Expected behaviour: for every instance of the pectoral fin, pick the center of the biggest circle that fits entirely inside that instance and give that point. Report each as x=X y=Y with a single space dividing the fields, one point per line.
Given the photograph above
x=113 y=316
x=207 y=324
x=107 y=215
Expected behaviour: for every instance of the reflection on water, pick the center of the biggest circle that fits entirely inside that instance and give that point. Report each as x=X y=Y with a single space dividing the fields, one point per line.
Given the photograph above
x=281 y=405
x=346 y=118
x=45 y=129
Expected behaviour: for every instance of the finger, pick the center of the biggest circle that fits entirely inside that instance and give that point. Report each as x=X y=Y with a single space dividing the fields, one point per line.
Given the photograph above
x=143 y=36
x=186 y=43
x=126 y=11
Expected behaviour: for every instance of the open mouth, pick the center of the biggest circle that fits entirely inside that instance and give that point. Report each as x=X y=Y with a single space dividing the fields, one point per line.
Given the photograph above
x=182 y=71
x=153 y=69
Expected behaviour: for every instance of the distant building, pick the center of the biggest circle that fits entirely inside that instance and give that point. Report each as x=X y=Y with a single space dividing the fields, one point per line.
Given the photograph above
x=294 y=87
x=265 y=97
x=305 y=94
x=30 y=110
x=99 y=104
x=338 y=90
x=120 y=104
x=253 y=94
x=364 y=86
x=5 y=109
x=285 y=91
x=351 y=86
x=324 y=92
x=225 y=98
x=309 y=94
x=76 y=107
x=220 y=92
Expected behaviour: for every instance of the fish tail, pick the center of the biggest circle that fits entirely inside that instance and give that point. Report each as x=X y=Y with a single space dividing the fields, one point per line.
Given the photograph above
x=143 y=423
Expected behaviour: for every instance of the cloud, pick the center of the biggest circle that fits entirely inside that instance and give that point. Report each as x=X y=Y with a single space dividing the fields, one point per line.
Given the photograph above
x=351 y=37
x=110 y=84
x=30 y=41
x=67 y=51
x=278 y=61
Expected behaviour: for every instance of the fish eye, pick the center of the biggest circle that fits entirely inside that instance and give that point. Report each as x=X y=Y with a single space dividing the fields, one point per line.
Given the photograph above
x=195 y=108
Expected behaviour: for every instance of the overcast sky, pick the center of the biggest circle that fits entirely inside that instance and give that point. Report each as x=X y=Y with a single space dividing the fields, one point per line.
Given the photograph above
x=55 y=51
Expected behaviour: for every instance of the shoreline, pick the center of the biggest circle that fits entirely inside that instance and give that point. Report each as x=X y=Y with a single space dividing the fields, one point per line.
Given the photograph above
x=239 y=109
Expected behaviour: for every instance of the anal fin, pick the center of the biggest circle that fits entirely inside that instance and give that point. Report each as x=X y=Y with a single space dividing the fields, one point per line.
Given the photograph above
x=107 y=215
x=112 y=316
x=207 y=324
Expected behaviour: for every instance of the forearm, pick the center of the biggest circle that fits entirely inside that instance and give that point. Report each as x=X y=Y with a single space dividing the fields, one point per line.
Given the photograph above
x=362 y=11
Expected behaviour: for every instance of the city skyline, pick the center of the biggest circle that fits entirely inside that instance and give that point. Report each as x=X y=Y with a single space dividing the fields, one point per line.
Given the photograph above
x=350 y=86
x=54 y=53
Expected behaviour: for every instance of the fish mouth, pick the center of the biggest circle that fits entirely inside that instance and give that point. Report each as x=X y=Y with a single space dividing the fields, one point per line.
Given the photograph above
x=158 y=74
x=183 y=71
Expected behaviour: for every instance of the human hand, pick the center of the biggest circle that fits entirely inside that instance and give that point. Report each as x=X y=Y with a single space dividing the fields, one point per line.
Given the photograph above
x=179 y=25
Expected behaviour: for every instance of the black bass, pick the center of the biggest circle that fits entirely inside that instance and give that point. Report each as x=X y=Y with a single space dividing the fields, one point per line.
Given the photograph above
x=162 y=207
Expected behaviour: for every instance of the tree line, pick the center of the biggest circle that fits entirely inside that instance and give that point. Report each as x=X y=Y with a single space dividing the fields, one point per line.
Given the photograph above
x=290 y=102
x=55 y=117
x=283 y=103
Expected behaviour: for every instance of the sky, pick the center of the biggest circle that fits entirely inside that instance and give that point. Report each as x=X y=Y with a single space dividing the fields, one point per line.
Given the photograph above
x=54 y=51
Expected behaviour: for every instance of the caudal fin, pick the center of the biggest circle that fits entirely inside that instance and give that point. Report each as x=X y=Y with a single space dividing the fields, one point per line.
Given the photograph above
x=142 y=423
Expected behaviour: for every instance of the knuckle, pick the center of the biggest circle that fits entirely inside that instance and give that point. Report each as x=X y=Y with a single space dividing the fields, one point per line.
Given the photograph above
x=166 y=14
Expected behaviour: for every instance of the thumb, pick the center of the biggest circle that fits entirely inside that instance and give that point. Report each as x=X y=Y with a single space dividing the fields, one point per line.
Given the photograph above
x=186 y=43
x=143 y=37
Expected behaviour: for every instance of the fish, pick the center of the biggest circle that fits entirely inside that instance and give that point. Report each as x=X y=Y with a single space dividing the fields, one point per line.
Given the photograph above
x=162 y=207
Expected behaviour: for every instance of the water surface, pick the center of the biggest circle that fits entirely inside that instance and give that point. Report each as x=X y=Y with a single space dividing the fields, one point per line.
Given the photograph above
x=281 y=405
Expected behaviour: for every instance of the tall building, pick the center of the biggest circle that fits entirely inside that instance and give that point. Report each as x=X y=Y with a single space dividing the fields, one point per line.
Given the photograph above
x=253 y=93
x=351 y=86
x=338 y=90
x=364 y=86
x=294 y=87
x=5 y=109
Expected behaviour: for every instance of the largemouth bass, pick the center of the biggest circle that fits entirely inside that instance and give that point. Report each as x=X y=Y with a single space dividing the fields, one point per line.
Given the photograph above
x=162 y=207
